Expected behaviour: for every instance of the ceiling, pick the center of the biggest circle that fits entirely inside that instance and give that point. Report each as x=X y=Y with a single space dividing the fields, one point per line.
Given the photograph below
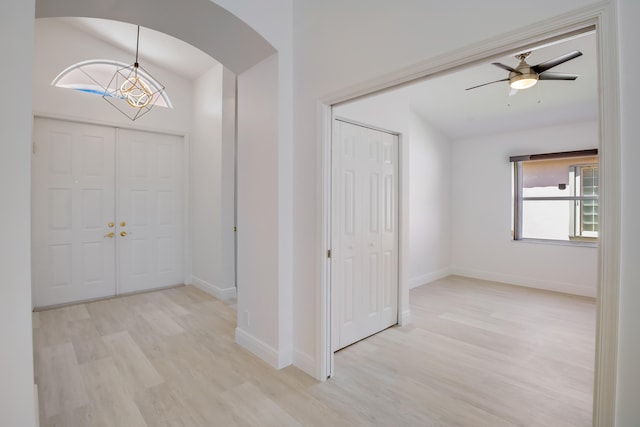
x=158 y=48
x=461 y=114
x=442 y=101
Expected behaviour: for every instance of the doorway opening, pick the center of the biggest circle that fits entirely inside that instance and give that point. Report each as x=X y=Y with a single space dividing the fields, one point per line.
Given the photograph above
x=605 y=284
x=250 y=50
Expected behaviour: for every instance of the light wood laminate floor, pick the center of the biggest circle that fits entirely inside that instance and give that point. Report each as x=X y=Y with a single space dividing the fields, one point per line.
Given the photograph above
x=476 y=354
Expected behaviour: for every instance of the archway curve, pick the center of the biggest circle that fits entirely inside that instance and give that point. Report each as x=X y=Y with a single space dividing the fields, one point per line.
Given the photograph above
x=222 y=35
x=201 y=23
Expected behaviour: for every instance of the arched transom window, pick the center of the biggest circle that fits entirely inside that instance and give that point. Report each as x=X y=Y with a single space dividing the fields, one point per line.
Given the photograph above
x=95 y=75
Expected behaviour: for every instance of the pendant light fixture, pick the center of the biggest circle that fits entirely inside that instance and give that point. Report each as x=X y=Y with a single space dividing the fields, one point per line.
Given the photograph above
x=130 y=90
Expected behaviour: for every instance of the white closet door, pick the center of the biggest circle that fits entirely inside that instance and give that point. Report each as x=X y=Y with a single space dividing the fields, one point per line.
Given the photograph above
x=72 y=208
x=364 y=282
x=150 y=210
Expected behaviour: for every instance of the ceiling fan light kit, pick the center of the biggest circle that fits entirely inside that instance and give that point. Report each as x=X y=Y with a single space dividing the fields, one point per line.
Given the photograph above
x=523 y=81
x=525 y=76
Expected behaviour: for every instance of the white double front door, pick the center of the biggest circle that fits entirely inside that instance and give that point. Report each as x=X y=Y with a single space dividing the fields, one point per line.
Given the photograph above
x=107 y=211
x=364 y=263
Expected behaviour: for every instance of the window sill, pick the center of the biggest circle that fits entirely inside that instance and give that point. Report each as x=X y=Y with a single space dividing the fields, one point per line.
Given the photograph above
x=580 y=243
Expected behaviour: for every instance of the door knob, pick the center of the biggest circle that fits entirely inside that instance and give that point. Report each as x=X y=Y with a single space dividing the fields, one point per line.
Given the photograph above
x=110 y=235
x=111 y=224
x=123 y=224
x=124 y=233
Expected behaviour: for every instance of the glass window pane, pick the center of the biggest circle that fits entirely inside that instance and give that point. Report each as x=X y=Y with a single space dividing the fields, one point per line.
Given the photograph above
x=546 y=219
x=589 y=218
x=545 y=178
x=589 y=180
x=552 y=178
x=95 y=76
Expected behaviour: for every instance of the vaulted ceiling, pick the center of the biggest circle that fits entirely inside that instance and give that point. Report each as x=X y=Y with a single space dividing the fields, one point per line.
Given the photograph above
x=461 y=113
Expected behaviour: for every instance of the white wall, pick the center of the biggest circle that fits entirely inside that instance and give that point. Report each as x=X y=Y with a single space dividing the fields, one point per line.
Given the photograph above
x=627 y=408
x=258 y=268
x=16 y=355
x=482 y=214
x=211 y=169
x=273 y=20
x=430 y=203
x=58 y=45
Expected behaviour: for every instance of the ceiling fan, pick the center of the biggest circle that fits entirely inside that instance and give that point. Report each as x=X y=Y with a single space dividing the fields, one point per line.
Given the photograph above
x=525 y=76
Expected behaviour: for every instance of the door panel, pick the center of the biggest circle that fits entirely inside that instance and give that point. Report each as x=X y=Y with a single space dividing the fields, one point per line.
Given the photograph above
x=365 y=237
x=150 y=203
x=72 y=205
x=75 y=195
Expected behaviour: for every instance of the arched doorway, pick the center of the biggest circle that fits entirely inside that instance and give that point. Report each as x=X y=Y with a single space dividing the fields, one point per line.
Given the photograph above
x=243 y=51
x=200 y=23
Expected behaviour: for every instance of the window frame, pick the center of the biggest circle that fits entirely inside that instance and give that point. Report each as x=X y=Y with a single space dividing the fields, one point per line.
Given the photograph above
x=577 y=231
x=518 y=198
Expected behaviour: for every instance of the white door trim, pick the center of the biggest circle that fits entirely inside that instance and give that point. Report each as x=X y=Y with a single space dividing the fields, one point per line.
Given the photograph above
x=108 y=123
x=603 y=17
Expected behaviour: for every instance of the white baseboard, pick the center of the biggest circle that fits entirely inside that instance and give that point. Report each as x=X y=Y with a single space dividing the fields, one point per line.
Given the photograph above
x=216 y=291
x=547 y=285
x=263 y=350
x=405 y=318
x=305 y=363
x=423 y=279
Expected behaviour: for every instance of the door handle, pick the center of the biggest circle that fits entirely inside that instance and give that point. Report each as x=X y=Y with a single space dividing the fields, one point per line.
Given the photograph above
x=110 y=235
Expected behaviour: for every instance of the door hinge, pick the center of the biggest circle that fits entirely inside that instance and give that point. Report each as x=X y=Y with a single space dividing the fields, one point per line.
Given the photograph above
x=328 y=253
x=235 y=229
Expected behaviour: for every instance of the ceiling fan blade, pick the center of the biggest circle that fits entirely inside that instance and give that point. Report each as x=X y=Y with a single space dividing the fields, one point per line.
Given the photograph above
x=557 y=76
x=484 y=84
x=505 y=67
x=544 y=66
